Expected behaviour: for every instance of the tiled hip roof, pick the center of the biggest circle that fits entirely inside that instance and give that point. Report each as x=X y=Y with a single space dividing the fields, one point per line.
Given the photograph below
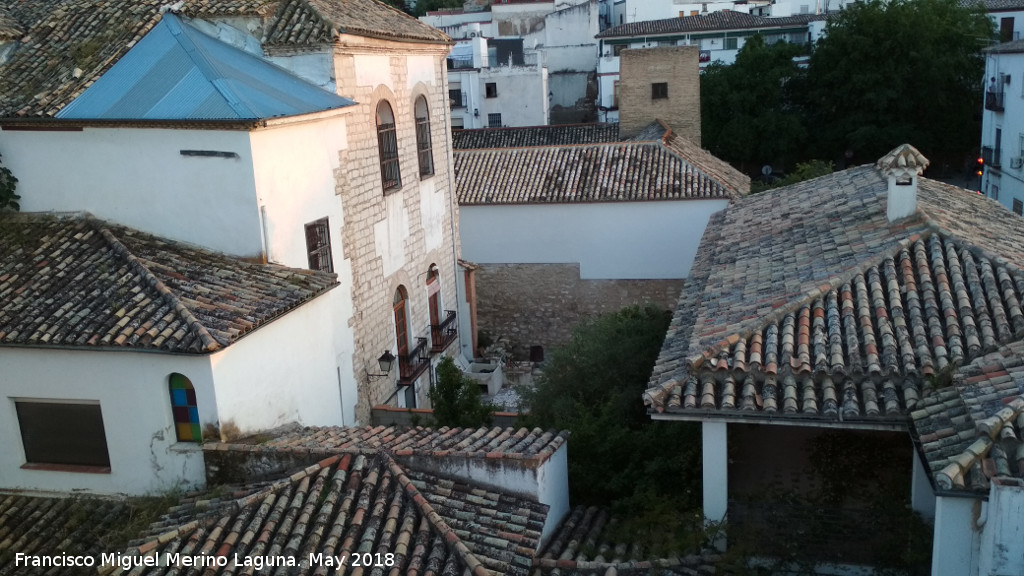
x=351 y=503
x=76 y=281
x=559 y=135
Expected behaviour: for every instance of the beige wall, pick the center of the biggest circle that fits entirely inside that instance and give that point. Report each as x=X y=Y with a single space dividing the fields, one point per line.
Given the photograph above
x=675 y=65
x=393 y=239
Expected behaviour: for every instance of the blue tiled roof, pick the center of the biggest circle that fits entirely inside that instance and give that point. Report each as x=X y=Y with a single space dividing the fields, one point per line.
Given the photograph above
x=177 y=72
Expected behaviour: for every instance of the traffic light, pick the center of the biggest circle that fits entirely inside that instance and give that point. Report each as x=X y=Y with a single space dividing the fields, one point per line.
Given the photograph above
x=979 y=166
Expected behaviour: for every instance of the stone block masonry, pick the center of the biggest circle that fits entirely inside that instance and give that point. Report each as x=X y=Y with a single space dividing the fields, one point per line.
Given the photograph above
x=540 y=304
x=678 y=104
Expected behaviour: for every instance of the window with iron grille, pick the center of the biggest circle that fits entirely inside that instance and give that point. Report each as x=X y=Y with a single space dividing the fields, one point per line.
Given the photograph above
x=387 y=142
x=63 y=434
x=659 y=90
x=494 y=120
x=318 y=245
x=423 y=147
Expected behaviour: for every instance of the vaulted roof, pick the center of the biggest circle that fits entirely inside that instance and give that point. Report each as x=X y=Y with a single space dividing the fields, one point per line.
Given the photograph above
x=807 y=303
x=78 y=282
x=177 y=72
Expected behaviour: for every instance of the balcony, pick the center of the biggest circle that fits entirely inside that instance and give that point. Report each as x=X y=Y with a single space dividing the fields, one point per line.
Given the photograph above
x=991 y=155
x=413 y=364
x=443 y=334
x=994 y=100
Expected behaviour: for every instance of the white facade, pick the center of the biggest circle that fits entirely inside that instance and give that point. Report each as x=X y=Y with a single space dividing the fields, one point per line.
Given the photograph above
x=644 y=10
x=1002 y=130
x=489 y=95
x=610 y=240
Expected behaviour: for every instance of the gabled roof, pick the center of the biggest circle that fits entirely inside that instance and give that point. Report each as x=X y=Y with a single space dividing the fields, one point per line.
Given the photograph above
x=805 y=302
x=350 y=503
x=558 y=135
x=587 y=543
x=177 y=72
x=723 y=20
x=499 y=443
x=663 y=167
x=79 y=282
x=972 y=431
x=321 y=21
x=68 y=44
x=1013 y=47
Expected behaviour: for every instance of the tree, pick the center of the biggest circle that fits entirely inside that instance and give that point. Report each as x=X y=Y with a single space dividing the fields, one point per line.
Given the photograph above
x=424 y=6
x=8 y=185
x=889 y=72
x=802 y=171
x=456 y=399
x=748 y=112
x=592 y=387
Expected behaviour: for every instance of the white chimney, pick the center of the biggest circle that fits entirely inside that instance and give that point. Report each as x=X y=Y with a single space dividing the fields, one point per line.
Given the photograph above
x=901 y=168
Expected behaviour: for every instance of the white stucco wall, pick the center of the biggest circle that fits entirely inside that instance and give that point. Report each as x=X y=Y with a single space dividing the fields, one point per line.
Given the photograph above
x=288 y=371
x=553 y=490
x=1002 y=539
x=613 y=240
x=132 y=391
x=138 y=177
x=956 y=544
x=522 y=95
x=1006 y=183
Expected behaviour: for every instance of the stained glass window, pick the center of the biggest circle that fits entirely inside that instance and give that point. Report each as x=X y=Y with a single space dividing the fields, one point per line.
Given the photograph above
x=185 y=409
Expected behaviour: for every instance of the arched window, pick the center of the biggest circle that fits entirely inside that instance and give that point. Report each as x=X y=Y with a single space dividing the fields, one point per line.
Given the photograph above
x=387 y=142
x=185 y=409
x=426 y=153
x=401 y=322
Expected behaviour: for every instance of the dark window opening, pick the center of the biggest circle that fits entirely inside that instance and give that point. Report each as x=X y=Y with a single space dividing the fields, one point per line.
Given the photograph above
x=1018 y=207
x=424 y=150
x=387 y=141
x=659 y=90
x=67 y=434
x=318 y=245
x=491 y=90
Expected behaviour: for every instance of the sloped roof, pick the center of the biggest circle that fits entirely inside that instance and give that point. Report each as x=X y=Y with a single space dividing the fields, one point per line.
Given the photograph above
x=357 y=503
x=806 y=302
x=520 y=443
x=994 y=5
x=971 y=431
x=49 y=526
x=321 y=21
x=79 y=282
x=557 y=135
x=177 y=72
x=1012 y=47
x=10 y=28
x=586 y=544
x=722 y=20
x=68 y=44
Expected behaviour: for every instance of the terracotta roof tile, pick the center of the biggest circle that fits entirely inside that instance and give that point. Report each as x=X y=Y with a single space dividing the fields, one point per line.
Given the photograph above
x=321 y=21
x=586 y=544
x=558 y=135
x=356 y=503
x=10 y=28
x=519 y=443
x=723 y=20
x=76 y=281
x=840 y=314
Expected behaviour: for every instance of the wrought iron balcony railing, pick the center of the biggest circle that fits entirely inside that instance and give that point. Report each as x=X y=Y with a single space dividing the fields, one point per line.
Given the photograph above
x=413 y=364
x=994 y=100
x=443 y=334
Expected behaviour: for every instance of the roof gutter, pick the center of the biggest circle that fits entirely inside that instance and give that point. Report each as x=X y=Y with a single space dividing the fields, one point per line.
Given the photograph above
x=37 y=123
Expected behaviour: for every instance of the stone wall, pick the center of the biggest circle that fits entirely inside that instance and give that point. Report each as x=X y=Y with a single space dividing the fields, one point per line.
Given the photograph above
x=540 y=304
x=393 y=238
x=676 y=66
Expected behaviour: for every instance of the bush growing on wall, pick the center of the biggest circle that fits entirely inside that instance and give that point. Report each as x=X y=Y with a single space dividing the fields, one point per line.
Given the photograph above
x=8 y=185
x=456 y=399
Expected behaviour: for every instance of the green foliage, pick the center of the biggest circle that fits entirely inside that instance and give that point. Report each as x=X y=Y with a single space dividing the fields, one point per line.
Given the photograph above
x=456 y=399
x=424 y=6
x=648 y=471
x=803 y=171
x=8 y=185
x=899 y=71
x=748 y=111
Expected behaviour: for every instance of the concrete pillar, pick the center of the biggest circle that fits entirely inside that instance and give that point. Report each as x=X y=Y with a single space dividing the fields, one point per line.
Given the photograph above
x=716 y=471
x=956 y=545
x=922 y=497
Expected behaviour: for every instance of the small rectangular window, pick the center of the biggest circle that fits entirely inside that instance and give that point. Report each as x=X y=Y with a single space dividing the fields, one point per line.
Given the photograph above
x=731 y=43
x=63 y=434
x=1018 y=207
x=491 y=89
x=659 y=90
x=617 y=49
x=494 y=120
x=615 y=94
x=318 y=245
